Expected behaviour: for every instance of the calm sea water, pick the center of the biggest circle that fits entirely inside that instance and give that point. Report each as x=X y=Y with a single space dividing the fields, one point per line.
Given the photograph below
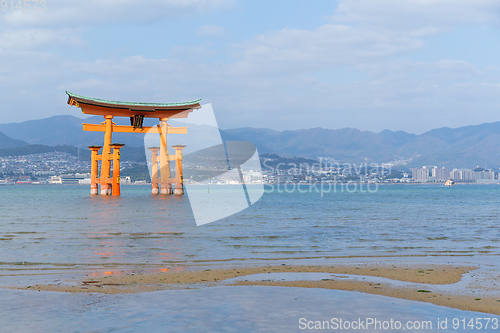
x=54 y=229
x=224 y=309
x=63 y=226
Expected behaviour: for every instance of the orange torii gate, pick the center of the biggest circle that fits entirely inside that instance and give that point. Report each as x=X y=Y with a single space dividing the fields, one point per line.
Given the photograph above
x=110 y=182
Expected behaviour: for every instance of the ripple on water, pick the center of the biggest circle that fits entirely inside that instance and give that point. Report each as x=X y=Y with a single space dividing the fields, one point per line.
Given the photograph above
x=73 y=225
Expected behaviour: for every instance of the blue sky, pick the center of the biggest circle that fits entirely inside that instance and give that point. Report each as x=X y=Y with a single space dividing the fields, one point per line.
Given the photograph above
x=410 y=65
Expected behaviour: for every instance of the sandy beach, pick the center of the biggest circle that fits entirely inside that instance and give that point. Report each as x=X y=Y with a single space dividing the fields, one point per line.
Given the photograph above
x=416 y=282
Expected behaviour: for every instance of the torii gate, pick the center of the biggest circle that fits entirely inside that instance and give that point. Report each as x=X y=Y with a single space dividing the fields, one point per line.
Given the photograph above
x=110 y=183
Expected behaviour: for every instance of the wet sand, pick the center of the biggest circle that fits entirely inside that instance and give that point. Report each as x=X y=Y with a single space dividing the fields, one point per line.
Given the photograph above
x=432 y=275
x=463 y=302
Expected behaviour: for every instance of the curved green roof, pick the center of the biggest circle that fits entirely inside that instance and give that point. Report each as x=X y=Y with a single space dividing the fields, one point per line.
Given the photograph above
x=105 y=101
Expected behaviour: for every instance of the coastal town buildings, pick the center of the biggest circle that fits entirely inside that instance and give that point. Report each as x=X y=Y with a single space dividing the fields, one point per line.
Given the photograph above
x=440 y=174
x=455 y=175
x=485 y=175
x=463 y=175
x=63 y=168
x=420 y=175
x=467 y=175
x=46 y=168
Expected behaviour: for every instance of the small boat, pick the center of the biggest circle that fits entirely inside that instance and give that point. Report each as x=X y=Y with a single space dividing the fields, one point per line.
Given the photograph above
x=449 y=182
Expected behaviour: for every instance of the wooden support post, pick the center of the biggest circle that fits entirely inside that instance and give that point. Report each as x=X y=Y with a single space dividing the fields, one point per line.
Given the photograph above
x=116 y=167
x=154 y=170
x=106 y=152
x=179 y=180
x=166 y=186
x=94 y=166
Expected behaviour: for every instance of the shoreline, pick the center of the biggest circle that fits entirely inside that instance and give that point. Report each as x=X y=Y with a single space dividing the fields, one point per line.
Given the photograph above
x=289 y=184
x=416 y=282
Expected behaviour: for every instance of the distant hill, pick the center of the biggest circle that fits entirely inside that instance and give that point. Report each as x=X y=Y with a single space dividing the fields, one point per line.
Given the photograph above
x=64 y=130
x=127 y=153
x=464 y=147
x=459 y=147
x=8 y=142
x=276 y=162
x=40 y=149
x=346 y=144
x=68 y=130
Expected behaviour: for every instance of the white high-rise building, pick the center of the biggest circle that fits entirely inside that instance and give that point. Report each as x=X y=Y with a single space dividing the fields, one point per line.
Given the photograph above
x=440 y=175
x=485 y=174
x=467 y=176
x=455 y=175
x=420 y=175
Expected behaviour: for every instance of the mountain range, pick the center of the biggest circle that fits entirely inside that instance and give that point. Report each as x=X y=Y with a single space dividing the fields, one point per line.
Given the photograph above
x=463 y=147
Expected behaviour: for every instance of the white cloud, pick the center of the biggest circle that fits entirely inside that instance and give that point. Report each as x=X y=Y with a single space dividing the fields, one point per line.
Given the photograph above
x=210 y=30
x=419 y=16
x=283 y=79
x=329 y=44
x=422 y=93
x=363 y=31
x=441 y=70
x=194 y=52
x=91 y=12
x=12 y=40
